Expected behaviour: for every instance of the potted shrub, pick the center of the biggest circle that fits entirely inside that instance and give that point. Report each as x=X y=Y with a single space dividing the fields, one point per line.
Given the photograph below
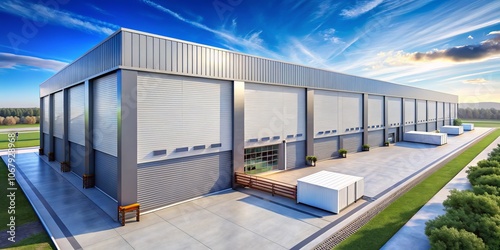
x=457 y=122
x=366 y=147
x=40 y=151
x=386 y=143
x=65 y=167
x=311 y=160
x=343 y=153
x=51 y=156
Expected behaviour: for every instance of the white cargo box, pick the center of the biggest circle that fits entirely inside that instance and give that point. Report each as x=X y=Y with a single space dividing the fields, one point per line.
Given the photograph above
x=329 y=191
x=452 y=130
x=426 y=137
x=468 y=126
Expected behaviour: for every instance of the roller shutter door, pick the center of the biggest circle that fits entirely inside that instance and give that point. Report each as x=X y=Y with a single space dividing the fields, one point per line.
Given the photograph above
x=76 y=118
x=46 y=144
x=409 y=128
x=58 y=148
x=352 y=143
x=376 y=138
x=105 y=115
x=77 y=158
x=295 y=154
x=106 y=173
x=326 y=148
x=46 y=115
x=421 y=127
x=170 y=181
x=431 y=126
x=58 y=115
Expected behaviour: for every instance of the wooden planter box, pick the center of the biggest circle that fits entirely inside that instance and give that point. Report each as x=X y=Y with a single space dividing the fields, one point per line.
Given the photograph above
x=88 y=181
x=51 y=156
x=65 y=167
x=40 y=151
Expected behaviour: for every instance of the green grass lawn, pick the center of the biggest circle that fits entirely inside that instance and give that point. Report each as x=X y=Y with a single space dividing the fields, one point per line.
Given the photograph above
x=24 y=214
x=25 y=139
x=35 y=126
x=484 y=123
x=384 y=225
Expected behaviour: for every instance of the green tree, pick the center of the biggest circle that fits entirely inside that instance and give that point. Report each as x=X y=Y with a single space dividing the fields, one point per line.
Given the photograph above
x=451 y=238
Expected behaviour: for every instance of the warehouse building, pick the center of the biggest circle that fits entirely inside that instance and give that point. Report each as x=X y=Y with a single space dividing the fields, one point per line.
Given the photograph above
x=156 y=120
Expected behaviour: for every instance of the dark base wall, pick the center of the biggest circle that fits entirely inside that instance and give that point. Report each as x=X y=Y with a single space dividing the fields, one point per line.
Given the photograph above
x=326 y=148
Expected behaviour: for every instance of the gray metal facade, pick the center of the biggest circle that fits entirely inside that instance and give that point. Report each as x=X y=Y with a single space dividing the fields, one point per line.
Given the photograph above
x=431 y=126
x=76 y=158
x=106 y=173
x=421 y=127
x=76 y=110
x=46 y=143
x=326 y=148
x=295 y=154
x=58 y=149
x=376 y=138
x=352 y=142
x=167 y=182
x=105 y=114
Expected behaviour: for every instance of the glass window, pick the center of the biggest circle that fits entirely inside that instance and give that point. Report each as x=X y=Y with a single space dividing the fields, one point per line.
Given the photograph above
x=261 y=159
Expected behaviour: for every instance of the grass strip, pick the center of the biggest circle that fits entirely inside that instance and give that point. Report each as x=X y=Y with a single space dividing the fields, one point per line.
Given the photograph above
x=39 y=241
x=35 y=126
x=384 y=225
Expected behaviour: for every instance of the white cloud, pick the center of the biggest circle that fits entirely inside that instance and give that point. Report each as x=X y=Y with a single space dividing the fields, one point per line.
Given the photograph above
x=328 y=35
x=11 y=61
x=40 y=13
x=497 y=32
x=360 y=9
x=475 y=81
x=470 y=37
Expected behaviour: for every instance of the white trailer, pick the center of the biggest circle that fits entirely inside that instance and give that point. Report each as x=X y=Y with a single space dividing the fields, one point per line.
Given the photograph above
x=426 y=137
x=452 y=130
x=468 y=126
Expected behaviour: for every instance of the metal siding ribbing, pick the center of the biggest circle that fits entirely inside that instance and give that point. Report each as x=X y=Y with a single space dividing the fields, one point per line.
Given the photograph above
x=106 y=173
x=46 y=115
x=422 y=111
x=452 y=111
x=76 y=158
x=215 y=63
x=273 y=111
x=105 y=114
x=103 y=57
x=177 y=112
x=326 y=148
x=375 y=110
x=440 y=111
x=431 y=126
x=431 y=110
x=76 y=123
x=58 y=148
x=447 y=122
x=46 y=143
x=376 y=138
x=351 y=111
x=409 y=128
x=352 y=142
x=409 y=111
x=166 y=182
x=325 y=112
x=422 y=127
x=58 y=115
x=446 y=110
x=295 y=154
x=395 y=111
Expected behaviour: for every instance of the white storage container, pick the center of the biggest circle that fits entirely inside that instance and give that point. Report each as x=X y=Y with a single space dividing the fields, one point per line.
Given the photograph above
x=468 y=126
x=426 y=137
x=329 y=191
x=452 y=130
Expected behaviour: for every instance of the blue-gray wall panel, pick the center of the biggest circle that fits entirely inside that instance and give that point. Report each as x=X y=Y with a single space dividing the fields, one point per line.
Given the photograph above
x=376 y=138
x=46 y=143
x=326 y=148
x=422 y=127
x=77 y=158
x=352 y=142
x=59 y=149
x=167 y=182
x=295 y=154
x=106 y=173
x=431 y=126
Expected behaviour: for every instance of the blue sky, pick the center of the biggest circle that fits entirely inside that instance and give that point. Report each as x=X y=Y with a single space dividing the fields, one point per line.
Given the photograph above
x=449 y=46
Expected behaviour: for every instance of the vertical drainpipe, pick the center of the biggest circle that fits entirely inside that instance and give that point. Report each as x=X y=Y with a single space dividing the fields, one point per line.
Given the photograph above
x=309 y=122
x=89 y=137
x=365 y=118
x=238 y=129
x=127 y=137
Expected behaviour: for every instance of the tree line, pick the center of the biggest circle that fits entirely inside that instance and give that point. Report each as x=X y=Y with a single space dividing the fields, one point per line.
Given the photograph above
x=488 y=114
x=19 y=112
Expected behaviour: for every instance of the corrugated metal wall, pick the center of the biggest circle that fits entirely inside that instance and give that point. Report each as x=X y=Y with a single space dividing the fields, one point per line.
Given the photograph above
x=422 y=111
x=77 y=158
x=352 y=142
x=395 y=111
x=375 y=111
x=409 y=111
x=295 y=154
x=103 y=57
x=409 y=128
x=431 y=126
x=106 y=173
x=274 y=113
x=58 y=149
x=440 y=111
x=147 y=51
x=326 y=114
x=58 y=115
x=422 y=127
x=446 y=110
x=46 y=115
x=326 y=148
x=105 y=114
x=376 y=138
x=46 y=143
x=166 y=182
x=76 y=119
x=431 y=111
x=351 y=111
x=185 y=113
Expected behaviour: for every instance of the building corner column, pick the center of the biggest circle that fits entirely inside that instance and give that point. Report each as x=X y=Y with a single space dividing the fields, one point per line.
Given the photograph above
x=51 y=149
x=238 y=164
x=65 y=125
x=365 y=118
x=89 y=163
x=309 y=122
x=40 y=121
x=127 y=137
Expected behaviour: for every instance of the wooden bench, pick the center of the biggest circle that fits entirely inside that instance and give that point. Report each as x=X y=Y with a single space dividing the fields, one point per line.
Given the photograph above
x=122 y=210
